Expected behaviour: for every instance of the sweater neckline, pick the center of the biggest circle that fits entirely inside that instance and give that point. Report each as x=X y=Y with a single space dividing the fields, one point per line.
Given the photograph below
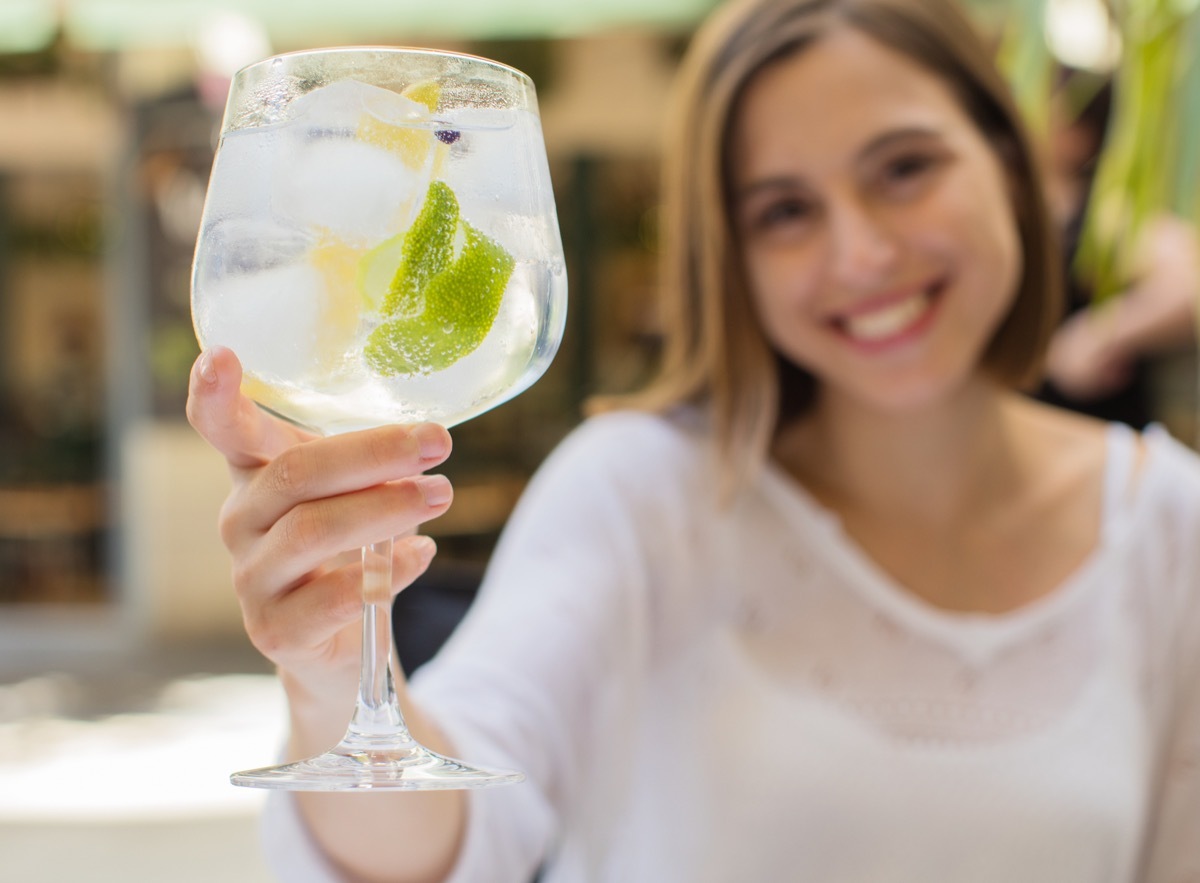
x=977 y=634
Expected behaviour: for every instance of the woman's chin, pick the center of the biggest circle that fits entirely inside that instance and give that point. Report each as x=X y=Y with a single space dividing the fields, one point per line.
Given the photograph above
x=904 y=394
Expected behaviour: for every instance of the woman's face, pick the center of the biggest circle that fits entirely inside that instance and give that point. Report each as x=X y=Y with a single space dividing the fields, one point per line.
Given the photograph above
x=875 y=222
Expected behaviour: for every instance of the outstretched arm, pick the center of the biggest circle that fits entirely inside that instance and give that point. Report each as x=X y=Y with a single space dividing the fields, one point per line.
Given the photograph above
x=299 y=507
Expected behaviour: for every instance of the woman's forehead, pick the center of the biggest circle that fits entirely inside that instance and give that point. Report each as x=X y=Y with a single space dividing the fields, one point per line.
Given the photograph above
x=840 y=93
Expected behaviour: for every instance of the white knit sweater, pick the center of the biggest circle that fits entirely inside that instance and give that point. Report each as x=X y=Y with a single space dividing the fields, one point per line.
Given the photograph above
x=699 y=694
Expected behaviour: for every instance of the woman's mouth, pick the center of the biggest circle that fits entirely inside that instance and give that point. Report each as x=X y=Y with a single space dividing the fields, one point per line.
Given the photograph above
x=890 y=319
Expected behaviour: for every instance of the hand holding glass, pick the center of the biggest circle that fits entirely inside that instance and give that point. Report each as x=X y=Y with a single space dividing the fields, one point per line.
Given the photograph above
x=380 y=245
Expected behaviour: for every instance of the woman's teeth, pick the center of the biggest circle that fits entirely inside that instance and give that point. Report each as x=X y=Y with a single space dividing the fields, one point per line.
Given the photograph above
x=887 y=321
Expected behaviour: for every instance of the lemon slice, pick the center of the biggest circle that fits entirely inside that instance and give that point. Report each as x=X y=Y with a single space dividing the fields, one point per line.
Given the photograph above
x=445 y=295
x=427 y=92
x=411 y=144
x=338 y=264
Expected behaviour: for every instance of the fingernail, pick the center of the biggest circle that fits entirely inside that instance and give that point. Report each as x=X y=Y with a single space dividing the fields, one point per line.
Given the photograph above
x=431 y=440
x=435 y=489
x=208 y=372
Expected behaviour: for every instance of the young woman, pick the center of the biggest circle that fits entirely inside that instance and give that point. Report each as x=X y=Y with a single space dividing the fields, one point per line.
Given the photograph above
x=833 y=601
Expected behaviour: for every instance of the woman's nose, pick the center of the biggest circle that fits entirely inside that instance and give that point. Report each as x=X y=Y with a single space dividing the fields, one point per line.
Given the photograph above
x=864 y=248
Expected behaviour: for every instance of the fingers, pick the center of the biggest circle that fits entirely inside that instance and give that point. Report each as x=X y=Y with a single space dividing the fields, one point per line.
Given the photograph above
x=311 y=533
x=228 y=420
x=300 y=501
x=313 y=486
x=294 y=628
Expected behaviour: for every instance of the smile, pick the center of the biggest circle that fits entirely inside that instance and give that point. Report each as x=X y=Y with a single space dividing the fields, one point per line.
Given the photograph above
x=891 y=320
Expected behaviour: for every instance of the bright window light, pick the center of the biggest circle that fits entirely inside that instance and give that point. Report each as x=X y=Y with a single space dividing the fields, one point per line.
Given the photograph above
x=1081 y=35
x=26 y=25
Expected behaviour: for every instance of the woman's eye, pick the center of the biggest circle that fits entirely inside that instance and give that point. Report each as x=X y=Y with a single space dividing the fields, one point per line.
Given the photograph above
x=908 y=167
x=782 y=211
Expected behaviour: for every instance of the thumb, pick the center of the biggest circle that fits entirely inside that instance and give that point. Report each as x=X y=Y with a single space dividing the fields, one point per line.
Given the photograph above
x=243 y=433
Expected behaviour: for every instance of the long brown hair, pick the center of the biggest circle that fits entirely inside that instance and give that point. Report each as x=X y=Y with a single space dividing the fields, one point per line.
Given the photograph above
x=714 y=350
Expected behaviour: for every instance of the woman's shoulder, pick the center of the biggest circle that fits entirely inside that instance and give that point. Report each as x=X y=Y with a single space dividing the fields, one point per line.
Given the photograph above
x=628 y=437
x=629 y=457
x=1171 y=469
x=1115 y=451
x=1157 y=512
x=1164 y=536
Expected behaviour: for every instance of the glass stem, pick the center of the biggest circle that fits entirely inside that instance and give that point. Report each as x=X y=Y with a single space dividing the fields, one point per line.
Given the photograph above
x=377 y=721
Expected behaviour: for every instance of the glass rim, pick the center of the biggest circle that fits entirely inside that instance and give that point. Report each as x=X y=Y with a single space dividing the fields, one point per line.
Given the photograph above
x=386 y=49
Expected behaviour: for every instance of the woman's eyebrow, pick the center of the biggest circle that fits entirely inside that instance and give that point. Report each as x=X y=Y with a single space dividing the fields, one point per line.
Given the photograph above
x=768 y=184
x=885 y=140
x=880 y=143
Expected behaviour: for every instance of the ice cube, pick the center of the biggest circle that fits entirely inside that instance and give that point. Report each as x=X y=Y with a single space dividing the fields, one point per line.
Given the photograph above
x=270 y=319
x=246 y=245
x=497 y=161
x=341 y=105
x=355 y=191
x=242 y=175
x=328 y=179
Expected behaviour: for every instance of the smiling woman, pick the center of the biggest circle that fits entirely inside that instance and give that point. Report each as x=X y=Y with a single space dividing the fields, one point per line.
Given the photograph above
x=880 y=247
x=723 y=352
x=831 y=600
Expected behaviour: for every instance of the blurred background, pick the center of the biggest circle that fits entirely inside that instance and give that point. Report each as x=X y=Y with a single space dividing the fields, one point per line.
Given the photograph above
x=127 y=690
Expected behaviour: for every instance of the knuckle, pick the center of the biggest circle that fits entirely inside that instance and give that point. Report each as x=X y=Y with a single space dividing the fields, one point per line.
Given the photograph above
x=381 y=447
x=341 y=602
x=304 y=528
x=269 y=639
x=244 y=575
x=230 y=523
x=411 y=496
x=375 y=448
x=290 y=474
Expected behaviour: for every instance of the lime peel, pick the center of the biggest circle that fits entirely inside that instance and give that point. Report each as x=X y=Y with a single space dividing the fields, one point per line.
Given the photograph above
x=428 y=251
x=440 y=306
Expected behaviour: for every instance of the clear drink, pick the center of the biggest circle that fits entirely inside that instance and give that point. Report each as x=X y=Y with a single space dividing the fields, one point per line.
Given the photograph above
x=304 y=231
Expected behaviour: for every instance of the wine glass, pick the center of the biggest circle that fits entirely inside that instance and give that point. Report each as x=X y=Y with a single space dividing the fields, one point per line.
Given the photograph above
x=380 y=245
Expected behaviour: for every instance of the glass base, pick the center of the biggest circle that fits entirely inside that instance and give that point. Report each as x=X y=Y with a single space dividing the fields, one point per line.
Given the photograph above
x=344 y=768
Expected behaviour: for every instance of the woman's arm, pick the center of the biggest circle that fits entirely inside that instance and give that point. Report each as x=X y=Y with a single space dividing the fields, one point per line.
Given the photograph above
x=298 y=507
x=1092 y=353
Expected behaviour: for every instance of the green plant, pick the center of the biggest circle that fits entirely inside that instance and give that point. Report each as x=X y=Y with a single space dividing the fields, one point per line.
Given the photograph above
x=1147 y=166
x=1150 y=163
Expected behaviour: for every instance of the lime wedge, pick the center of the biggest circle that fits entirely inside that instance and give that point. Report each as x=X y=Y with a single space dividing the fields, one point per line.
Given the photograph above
x=441 y=305
x=427 y=251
